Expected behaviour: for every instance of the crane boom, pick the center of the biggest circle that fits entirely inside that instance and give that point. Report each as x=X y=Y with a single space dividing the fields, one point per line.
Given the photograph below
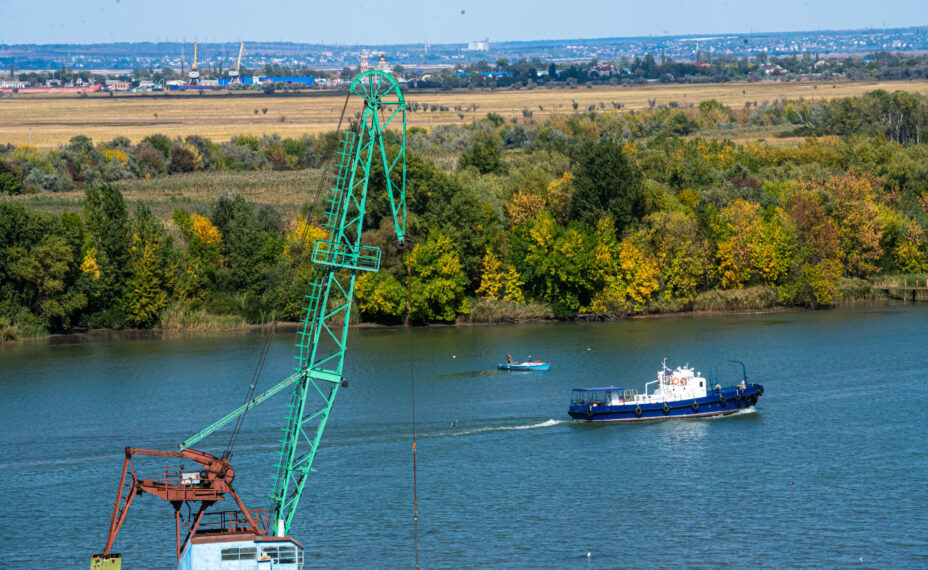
x=193 y=74
x=234 y=73
x=322 y=342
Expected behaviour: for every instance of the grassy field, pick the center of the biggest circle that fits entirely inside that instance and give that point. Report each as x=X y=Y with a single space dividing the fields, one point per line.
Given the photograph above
x=49 y=121
x=285 y=191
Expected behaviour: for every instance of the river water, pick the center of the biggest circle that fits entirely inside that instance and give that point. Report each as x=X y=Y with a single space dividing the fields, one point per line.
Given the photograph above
x=829 y=471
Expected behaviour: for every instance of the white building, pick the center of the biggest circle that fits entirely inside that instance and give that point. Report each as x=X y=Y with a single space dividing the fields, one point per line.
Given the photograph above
x=479 y=46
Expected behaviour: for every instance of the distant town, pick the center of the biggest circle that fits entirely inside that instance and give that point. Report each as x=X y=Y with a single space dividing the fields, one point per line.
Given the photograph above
x=896 y=53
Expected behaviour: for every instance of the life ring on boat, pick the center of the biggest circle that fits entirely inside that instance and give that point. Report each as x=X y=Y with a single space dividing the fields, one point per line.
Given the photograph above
x=683 y=381
x=695 y=406
x=722 y=400
x=665 y=408
x=637 y=411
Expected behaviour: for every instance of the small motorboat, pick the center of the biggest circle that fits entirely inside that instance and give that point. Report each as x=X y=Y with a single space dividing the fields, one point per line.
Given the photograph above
x=682 y=392
x=528 y=365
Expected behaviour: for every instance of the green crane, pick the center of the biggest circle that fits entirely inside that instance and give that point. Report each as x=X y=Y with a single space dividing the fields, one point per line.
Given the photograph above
x=322 y=339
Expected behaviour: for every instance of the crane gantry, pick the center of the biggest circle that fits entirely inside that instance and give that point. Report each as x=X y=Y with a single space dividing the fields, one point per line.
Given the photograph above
x=322 y=343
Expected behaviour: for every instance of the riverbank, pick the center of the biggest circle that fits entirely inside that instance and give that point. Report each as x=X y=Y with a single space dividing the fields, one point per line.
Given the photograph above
x=715 y=302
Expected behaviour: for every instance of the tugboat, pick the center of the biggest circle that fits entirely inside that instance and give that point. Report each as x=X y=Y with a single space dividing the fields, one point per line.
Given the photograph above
x=679 y=393
x=528 y=365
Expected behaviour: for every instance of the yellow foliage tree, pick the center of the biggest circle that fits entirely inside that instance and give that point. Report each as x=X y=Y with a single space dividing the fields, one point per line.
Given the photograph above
x=910 y=254
x=737 y=236
x=858 y=220
x=524 y=206
x=640 y=271
x=89 y=264
x=491 y=280
x=607 y=271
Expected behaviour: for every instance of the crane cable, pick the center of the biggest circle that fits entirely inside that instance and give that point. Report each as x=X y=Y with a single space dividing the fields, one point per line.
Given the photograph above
x=262 y=357
x=412 y=382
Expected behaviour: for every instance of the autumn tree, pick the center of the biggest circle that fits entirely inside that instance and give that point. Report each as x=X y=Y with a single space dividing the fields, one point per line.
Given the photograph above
x=680 y=252
x=736 y=238
x=438 y=282
x=817 y=265
x=499 y=280
x=857 y=217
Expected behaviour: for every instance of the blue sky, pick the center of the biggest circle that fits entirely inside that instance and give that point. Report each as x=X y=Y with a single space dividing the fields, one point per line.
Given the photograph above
x=438 y=21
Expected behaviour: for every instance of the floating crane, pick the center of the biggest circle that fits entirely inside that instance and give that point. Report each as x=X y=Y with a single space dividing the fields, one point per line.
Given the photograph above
x=193 y=74
x=234 y=78
x=222 y=539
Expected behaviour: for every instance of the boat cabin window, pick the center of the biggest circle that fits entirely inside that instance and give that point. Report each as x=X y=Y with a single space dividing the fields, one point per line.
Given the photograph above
x=283 y=554
x=247 y=553
x=612 y=397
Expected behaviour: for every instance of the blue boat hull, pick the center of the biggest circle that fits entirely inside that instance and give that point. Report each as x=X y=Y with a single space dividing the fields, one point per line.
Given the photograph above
x=716 y=403
x=518 y=367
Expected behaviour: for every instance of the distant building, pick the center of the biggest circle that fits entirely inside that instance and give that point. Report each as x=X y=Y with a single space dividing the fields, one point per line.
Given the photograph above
x=382 y=64
x=117 y=85
x=479 y=46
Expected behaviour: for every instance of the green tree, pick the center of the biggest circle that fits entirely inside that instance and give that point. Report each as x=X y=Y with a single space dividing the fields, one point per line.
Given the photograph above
x=153 y=271
x=42 y=273
x=606 y=182
x=485 y=153
x=109 y=234
x=555 y=262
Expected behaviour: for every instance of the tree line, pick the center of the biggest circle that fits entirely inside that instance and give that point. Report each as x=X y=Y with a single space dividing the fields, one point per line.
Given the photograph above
x=591 y=214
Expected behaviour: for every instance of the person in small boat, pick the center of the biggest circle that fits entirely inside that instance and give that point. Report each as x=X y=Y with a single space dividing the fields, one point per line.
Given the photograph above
x=509 y=359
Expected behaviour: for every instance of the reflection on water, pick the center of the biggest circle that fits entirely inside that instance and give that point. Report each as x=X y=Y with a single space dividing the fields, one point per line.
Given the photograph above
x=821 y=474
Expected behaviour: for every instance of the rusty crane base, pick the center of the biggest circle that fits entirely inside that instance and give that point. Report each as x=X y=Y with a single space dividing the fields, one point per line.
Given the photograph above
x=205 y=485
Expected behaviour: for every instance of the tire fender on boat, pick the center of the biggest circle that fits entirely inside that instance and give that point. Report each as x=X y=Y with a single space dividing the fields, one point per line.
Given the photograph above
x=637 y=411
x=590 y=412
x=722 y=400
x=737 y=394
x=665 y=408
x=695 y=406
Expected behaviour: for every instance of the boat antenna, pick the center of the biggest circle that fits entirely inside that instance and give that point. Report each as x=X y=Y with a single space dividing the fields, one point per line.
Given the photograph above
x=744 y=370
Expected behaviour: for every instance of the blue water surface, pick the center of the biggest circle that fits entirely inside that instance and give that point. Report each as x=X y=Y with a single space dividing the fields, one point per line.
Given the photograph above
x=830 y=471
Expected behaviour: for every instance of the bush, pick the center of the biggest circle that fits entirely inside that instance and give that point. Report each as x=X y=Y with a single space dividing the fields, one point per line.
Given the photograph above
x=184 y=158
x=160 y=142
x=746 y=299
x=497 y=311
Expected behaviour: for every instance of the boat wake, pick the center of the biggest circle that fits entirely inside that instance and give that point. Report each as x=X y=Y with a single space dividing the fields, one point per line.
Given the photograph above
x=491 y=429
x=742 y=412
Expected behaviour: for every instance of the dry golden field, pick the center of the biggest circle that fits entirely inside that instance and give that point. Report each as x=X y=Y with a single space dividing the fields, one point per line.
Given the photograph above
x=49 y=121
x=286 y=191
